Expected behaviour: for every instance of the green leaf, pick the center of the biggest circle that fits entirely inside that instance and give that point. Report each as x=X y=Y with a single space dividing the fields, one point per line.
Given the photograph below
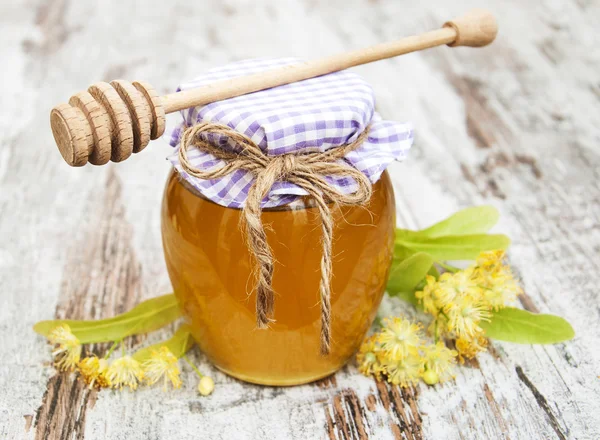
x=469 y=221
x=434 y=272
x=455 y=247
x=523 y=327
x=401 y=253
x=147 y=316
x=405 y=276
x=179 y=344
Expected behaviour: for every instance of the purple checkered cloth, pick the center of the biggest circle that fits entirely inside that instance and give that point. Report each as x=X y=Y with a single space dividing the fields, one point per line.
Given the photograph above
x=307 y=116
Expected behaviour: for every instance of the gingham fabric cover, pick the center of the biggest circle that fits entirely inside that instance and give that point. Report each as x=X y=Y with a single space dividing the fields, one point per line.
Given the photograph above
x=307 y=116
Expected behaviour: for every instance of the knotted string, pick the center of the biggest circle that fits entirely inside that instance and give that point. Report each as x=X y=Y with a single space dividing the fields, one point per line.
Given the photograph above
x=307 y=171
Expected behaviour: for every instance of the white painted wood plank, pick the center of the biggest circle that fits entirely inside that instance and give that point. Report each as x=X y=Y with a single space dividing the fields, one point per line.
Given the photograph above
x=535 y=92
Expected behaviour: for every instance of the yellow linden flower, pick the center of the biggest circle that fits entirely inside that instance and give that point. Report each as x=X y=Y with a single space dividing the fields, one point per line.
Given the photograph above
x=94 y=372
x=405 y=372
x=425 y=296
x=439 y=363
x=464 y=315
x=68 y=348
x=445 y=290
x=125 y=371
x=469 y=348
x=453 y=285
x=440 y=294
x=502 y=290
x=498 y=284
x=206 y=386
x=162 y=363
x=399 y=338
x=367 y=357
x=490 y=260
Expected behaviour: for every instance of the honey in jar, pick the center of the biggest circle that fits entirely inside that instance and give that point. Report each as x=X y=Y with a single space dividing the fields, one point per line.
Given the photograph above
x=212 y=275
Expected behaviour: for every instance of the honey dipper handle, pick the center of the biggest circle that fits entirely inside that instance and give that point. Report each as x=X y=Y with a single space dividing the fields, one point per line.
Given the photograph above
x=476 y=28
x=110 y=121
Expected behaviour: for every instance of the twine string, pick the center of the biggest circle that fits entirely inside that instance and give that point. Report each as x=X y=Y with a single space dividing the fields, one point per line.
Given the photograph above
x=307 y=171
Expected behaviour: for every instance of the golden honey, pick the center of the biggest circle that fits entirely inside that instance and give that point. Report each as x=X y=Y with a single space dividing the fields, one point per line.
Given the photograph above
x=212 y=276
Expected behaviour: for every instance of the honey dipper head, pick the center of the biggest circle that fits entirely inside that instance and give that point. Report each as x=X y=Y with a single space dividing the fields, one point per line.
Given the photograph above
x=70 y=128
x=107 y=122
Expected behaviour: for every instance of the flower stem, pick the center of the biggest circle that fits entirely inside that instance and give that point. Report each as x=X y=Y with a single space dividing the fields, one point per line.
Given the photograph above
x=192 y=365
x=112 y=348
x=448 y=267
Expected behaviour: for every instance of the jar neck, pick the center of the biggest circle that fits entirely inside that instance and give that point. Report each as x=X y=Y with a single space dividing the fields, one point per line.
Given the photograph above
x=302 y=202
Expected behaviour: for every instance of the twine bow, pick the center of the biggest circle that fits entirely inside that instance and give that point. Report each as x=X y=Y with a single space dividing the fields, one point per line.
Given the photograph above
x=304 y=170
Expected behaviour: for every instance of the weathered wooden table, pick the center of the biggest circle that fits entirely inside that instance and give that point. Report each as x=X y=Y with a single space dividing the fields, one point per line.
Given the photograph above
x=514 y=125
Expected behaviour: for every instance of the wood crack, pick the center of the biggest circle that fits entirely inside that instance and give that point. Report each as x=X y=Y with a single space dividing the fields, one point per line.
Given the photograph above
x=402 y=403
x=495 y=410
x=349 y=418
x=542 y=403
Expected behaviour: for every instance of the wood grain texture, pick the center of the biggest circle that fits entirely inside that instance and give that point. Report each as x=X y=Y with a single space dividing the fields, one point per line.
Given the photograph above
x=514 y=124
x=101 y=279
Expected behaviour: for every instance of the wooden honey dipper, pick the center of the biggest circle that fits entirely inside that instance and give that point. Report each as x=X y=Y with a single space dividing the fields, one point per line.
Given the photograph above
x=112 y=120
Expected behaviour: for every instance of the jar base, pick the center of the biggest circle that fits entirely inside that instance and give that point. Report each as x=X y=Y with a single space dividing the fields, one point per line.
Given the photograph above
x=278 y=382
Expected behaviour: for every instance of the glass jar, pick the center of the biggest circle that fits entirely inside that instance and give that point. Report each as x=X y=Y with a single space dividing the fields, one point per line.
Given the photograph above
x=211 y=272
